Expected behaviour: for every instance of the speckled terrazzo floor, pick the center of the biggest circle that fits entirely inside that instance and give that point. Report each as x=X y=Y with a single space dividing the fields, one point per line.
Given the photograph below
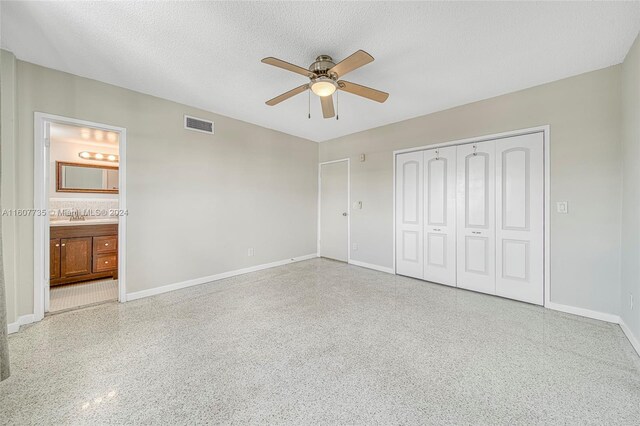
x=320 y=342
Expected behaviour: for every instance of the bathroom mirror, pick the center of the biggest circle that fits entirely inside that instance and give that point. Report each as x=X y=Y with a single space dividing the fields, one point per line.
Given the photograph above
x=76 y=177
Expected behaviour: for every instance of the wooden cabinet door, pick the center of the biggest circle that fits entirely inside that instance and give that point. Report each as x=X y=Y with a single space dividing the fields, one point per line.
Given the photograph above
x=76 y=256
x=54 y=258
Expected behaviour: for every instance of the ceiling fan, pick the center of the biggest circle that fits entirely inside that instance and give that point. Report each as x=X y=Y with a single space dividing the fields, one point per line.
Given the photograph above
x=324 y=76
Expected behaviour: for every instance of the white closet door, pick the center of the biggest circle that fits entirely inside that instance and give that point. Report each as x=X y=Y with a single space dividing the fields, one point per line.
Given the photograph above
x=440 y=215
x=520 y=218
x=334 y=207
x=476 y=217
x=409 y=182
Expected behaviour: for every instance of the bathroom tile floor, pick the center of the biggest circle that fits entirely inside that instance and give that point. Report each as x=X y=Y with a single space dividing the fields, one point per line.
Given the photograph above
x=70 y=296
x=320 y=342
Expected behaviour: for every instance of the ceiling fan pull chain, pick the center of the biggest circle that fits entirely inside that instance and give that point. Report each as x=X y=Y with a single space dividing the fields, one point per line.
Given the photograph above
x=337 y=105
x=309 y=105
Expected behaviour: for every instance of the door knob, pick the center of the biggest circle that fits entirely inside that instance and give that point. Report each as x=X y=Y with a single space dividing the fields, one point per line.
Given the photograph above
x=344 y=214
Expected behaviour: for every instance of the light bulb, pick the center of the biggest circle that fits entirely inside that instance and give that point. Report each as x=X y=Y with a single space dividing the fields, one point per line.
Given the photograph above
x=99 y=156
x=85 y=154
x=111 y=158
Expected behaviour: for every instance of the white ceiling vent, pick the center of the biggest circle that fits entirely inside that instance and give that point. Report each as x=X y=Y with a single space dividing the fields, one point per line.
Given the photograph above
x=198 y=124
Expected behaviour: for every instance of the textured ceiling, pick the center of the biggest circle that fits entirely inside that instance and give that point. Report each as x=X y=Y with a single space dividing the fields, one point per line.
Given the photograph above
x=429 y=56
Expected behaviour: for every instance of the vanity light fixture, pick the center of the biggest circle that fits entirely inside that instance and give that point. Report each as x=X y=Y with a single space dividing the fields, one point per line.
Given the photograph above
x=98 y=156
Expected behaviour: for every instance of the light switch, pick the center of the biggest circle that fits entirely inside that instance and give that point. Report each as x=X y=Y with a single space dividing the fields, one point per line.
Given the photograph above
x=562 y=207
x=357 y=205
x=354 y=246
x=362 y=157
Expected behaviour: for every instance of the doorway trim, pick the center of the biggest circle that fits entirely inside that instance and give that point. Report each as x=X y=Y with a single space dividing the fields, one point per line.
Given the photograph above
x=41 y=162
x=545 y=130
x=348 y=160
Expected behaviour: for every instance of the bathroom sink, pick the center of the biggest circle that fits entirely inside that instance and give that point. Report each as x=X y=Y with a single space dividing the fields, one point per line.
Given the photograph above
x=87 y=221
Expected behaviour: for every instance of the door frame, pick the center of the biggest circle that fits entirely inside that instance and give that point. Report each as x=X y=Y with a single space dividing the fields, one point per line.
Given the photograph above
x=348 y=160
x=41 y=235
x=546 y=131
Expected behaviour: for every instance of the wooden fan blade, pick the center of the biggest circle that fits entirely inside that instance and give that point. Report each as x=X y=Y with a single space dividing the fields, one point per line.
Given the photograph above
x=327 y=106
x=287 y=95
x=287 y=66
x=356 y=60
x=364 y=91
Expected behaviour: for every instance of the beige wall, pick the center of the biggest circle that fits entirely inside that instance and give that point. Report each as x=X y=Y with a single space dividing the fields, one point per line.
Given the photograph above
x=584 y=115
x=7 y=169
x=631 y=189
x=196 y=202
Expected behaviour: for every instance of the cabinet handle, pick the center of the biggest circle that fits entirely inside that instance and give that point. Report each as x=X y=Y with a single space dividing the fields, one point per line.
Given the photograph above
x=106 y=244
x=63 y=245
x=57 y=245
x=106 y=261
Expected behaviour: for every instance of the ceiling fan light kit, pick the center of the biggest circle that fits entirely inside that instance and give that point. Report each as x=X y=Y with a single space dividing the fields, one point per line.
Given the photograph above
x=323 y=86
x=324 y=77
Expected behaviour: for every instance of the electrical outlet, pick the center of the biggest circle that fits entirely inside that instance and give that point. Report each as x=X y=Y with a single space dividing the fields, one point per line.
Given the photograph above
x=354 y=246
x=562 y=207
x=250 y=252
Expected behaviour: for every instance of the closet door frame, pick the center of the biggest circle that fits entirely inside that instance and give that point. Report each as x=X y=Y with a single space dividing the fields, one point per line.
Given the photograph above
x=545 y=130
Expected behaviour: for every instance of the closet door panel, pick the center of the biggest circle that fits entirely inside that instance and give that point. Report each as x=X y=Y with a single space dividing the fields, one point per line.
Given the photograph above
x=476 y=217
x=440 y=215
x=409 y=214
x=520 y=218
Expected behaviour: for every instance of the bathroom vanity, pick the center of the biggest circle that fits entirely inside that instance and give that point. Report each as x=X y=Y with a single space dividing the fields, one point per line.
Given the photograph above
x=83 y=251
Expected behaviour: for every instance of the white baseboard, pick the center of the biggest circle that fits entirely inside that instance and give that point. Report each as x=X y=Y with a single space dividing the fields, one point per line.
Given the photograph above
x=14 y=327
x=371 y=266
x=584 y=312
x=633 y=339
x=211 y=278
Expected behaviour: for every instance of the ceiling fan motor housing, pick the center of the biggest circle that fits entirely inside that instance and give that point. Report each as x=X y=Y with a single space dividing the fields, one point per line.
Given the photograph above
x=322 y=65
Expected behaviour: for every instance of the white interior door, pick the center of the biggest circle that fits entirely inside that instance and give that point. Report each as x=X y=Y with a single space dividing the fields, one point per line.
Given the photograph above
x=409 y=214
x=520 y=218
x=476 y=217
x=440 y=215
x=334 y=210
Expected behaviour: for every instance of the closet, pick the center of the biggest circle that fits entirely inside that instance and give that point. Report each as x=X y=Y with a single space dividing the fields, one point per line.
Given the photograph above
x=472 y=216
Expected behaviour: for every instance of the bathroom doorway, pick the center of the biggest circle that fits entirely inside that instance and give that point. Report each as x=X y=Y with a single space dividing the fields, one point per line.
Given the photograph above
x=79 y=243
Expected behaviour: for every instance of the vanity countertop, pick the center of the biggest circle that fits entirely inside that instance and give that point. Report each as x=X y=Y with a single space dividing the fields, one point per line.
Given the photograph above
x=67 y=222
